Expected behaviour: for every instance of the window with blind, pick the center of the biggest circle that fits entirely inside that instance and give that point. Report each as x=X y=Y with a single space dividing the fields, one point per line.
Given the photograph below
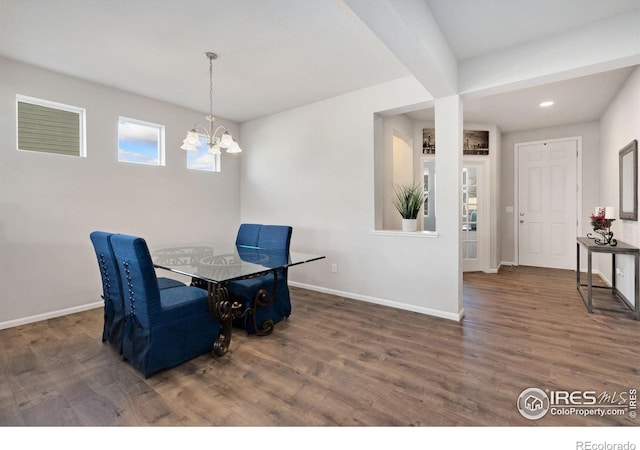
x=49 y=127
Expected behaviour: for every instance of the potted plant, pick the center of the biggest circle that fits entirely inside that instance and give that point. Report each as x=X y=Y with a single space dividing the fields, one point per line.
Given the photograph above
x=408 y=200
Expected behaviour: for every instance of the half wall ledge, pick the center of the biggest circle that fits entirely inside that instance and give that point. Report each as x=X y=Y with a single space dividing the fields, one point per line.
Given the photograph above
x=411 y=234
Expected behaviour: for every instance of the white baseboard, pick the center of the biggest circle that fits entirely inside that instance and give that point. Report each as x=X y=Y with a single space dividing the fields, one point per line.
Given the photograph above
x=506 y=263
x=378 y=301
x=49 y=315
x=605 y=279
x=595 y=271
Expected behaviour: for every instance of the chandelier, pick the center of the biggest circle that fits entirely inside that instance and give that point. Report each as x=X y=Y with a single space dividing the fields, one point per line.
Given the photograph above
x=216 y=139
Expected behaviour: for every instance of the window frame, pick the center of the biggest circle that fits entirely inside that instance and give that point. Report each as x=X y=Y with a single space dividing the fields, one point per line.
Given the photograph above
x=216 y=161
x=161 y=140
x=82 y=132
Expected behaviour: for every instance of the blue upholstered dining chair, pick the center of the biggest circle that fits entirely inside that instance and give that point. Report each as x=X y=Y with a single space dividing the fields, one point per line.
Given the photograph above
x=112 y=289
x=265 y=300
x=162 y=328
x=248 y=234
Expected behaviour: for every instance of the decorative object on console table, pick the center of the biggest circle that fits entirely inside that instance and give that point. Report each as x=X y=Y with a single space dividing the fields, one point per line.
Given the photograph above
x=601 y=221
x=408 y=200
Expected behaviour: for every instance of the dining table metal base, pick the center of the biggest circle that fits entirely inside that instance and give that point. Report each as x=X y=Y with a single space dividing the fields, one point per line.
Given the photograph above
x=213 y=267
x=224 y=311
x=262 y=299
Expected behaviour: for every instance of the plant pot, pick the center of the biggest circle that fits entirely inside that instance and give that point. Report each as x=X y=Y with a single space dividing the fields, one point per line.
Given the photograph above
x=409 y=224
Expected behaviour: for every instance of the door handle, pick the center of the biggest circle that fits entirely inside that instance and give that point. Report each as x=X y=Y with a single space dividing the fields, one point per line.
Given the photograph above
x=522 y=221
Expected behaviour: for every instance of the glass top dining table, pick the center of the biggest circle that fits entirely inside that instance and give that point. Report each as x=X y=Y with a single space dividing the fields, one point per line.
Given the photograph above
x=219 y=263
x=211 y=266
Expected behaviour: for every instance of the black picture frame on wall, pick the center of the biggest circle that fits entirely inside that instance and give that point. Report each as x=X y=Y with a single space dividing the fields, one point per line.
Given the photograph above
x=628 y=181
x=474 y=142
x=428 y=141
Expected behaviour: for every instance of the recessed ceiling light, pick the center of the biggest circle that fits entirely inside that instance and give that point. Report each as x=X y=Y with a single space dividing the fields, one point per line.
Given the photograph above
x=546 y=104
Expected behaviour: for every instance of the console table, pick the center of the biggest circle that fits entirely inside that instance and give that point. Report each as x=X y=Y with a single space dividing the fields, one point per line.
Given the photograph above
x=620 y=248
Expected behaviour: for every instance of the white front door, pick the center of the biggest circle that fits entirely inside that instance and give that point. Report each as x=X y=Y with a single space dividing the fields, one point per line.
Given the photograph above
x=547 y=203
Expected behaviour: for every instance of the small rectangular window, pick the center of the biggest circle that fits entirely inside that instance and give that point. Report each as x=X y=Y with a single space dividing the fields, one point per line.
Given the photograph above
x=202 y=159
x=140 y=142
x=49 y=127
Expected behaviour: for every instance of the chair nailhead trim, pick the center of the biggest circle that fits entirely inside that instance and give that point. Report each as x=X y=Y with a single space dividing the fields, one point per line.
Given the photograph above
x=130 y=286
x=105 y=277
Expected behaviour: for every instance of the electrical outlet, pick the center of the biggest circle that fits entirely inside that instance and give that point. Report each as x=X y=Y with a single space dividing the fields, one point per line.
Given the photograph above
x=334 y=268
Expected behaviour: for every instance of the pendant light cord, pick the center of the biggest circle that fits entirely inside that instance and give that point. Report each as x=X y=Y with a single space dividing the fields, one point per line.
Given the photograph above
x=211 y=87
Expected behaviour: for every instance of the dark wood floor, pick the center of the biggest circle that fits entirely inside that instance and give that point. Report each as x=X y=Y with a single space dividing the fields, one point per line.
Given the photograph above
x=340 y=362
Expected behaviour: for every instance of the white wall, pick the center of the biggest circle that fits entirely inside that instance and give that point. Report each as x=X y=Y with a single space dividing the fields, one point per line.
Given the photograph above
x=313 y=168
x=50 y=203
x=590 y=176
x=618 y=127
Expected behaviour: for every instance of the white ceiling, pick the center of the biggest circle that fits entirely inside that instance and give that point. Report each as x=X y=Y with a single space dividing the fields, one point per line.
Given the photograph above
x=477 y=27
x=279 y=54
x=272 y=55
x=578 y=100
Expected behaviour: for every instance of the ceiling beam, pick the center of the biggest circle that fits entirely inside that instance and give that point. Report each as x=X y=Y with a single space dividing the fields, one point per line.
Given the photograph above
x=601 y=46
x=410 y=32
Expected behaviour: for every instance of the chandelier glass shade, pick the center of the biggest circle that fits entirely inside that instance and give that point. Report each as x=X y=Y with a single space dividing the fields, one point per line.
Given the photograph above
x=216 y=138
